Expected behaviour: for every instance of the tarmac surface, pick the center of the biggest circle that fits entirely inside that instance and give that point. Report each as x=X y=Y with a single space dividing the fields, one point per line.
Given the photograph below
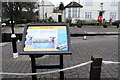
x=104 y=46
x=74 y=30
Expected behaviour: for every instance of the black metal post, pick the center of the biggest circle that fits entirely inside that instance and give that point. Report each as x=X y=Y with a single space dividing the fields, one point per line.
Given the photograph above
x=95 y=69
x=13 y=36
x=0 y=21
x=33 y=64
x=43 y=10
x=11 y=16
x=61 y=67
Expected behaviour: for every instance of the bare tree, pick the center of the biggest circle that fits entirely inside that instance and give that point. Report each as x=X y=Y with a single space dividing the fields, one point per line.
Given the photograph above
x=18 y=7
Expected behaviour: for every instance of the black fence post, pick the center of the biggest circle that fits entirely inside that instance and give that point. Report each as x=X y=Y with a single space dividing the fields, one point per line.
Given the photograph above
x=33 y=64
x=61 y=67
x=95 y=69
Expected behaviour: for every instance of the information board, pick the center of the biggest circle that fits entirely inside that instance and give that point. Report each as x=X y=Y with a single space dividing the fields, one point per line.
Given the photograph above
x=46 y=39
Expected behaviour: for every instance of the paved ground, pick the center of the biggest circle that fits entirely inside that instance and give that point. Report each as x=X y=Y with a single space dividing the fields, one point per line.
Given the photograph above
x=105 y=46
x=74 y=30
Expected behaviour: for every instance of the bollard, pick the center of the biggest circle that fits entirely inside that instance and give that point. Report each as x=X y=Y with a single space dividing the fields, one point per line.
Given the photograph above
x=85 y=37
x=15 y=53
x=18 y=40
x=95 y=69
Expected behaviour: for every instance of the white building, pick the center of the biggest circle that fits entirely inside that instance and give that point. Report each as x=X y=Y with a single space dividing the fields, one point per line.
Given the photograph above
x=119 y=10
x=72 y=10
x=91 y=8
x=0 y=8
x=46 y=10
x=89 y=11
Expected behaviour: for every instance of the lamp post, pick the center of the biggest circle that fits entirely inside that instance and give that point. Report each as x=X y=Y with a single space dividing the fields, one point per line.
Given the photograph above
x=43 y=9
x=101 y=6
x=13 y=36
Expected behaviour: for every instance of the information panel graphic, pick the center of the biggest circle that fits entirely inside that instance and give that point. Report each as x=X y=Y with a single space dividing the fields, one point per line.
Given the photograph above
x=46 y=38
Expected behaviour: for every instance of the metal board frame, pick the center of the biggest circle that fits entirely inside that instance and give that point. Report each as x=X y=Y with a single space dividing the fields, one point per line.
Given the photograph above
x=22 y=52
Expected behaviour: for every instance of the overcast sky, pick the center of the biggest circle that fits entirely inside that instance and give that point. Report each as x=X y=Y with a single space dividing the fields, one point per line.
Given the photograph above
x=57 y=2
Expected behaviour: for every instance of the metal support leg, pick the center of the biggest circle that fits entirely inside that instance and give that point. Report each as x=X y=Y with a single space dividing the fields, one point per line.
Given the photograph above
x=61 y=67
x=33 y=63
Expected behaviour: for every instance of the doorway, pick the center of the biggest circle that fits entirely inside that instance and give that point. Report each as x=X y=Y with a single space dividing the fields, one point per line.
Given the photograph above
x=59 y=18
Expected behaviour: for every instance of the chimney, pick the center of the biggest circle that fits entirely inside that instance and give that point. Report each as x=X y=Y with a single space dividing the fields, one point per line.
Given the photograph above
x=79 y=1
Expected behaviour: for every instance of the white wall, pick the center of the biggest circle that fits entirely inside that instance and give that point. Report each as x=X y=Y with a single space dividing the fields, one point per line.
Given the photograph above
x=66 y=12
x=55 y=17
x=119 y=10
x=47 y=9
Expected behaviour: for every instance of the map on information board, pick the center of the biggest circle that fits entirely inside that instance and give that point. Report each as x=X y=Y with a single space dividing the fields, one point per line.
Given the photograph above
x=46 y=38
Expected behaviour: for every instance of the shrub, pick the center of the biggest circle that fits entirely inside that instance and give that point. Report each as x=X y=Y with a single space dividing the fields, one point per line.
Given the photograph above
x=116 y=22
x=20 y=25
x=79 y=23
x=68 y=20
x=90 y=22
x=50 y=20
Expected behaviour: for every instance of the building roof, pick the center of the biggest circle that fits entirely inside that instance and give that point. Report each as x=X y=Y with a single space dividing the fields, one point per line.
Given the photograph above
x=73 y=4
x=45 y=3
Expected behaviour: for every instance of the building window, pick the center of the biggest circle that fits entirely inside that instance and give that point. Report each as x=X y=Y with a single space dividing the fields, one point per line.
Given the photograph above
x=78 y=13
x=114 y=3
x=73 y=15
x=88 y=15
x=113 y=15
x=73 y=12
x=88 y=2
x=69 y=12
